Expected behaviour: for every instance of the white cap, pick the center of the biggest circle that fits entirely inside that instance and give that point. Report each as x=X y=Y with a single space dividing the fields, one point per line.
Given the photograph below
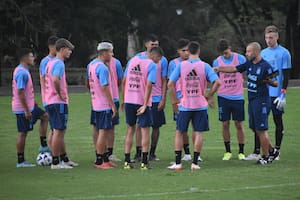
x=104 y=46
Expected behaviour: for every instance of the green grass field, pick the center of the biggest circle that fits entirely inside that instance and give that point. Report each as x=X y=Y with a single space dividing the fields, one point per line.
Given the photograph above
x=216 y=180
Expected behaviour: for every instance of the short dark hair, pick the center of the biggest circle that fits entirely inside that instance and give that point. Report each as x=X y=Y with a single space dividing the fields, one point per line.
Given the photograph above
x=52 y=40
x=63 y=43
x=157 y=51
x=182 y=43
x=223 y=44
x=271 y=29
x=22 y=52
x=151 y=37
x=194 y=47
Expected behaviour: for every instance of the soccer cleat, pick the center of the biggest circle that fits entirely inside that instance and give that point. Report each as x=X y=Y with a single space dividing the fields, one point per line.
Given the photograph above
x=44 y=149
x=241 y=156
x=195 y=167
x=114 y=158
x=273 y=155
x=153 y=158
x=200 y=159
x=24 y=165
x=128 y=166
x=112 y=164
x=145 y=166
x=104 y=165
x=187 y=157
x=278 y=157
x=136 y=159
x=227 y=156
x=263 y=161
x=61 y=166
x=71 y=163
x=175 y=167
x=253 y=156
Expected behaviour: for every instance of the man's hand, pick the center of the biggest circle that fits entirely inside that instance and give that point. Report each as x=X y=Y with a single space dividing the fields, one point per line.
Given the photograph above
x=210 y=100
x=216 y=69
x=28 y=115
x=161 y=105
x=115 y=111
x=123 y=107
x=280 y=101
x=141 y=110
x=175 y=108
x=62 y=97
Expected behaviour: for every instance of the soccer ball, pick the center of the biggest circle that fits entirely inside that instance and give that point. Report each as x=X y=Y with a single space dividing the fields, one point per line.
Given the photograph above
x=44 y=159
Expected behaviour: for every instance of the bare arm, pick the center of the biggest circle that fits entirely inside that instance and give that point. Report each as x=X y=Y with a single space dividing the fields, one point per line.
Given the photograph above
x=143 y=108
x=105 y=89
x=230 y=69
x=164 y=94
x=174 y=99
x=55 y=80
x=213 y=89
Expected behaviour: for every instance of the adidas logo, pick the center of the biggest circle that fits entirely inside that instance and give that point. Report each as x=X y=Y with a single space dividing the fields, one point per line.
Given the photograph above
x=192 y=73
x=136 y=68
x=192 y=76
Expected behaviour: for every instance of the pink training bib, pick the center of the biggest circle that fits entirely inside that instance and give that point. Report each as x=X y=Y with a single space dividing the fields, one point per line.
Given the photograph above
x=136 y=81
x=114 y=87
x=99 y=101
x=231 y=83
x=193 y=85
x=51 y=96
x=28 y=92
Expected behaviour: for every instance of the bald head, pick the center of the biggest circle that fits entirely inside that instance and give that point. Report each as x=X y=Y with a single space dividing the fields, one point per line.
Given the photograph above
x=253 y=51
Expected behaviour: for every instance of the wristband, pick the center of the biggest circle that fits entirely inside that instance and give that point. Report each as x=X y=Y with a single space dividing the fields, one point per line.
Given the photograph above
x=283 y=90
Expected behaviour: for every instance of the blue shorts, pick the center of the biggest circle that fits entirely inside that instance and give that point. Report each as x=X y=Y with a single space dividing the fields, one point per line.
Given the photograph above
x=115 y=120
x=24 y=125
x=199 y=120
x=259 y=110
x=158 y=116
x=275 y=111
x=231 y=109
x=58 y=116
x=103 y=119
x=93 y=118
x=144 y=120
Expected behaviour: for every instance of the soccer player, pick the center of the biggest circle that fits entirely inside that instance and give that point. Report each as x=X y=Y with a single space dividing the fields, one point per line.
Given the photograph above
x=43 y=64
x=139 y=76
x=24 y=107
x=193 y=75
x=116 y=75
x=259 y=74
x=102 y=102
x=280 y=59
x=182 y=50
x=231 y=98
x=158 y=94
x=57 y=100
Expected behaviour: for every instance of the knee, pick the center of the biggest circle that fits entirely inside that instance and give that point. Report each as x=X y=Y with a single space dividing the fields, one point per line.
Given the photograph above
x=226 y=125
x=45 y=117
x=239 y=125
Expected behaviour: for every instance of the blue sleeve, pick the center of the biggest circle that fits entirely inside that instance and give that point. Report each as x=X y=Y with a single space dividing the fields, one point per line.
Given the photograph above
x=43 y=67
x=215 y=63
x=242 y=59
x=152 y=72
x=164 y=67
x=211 y=75
x=58 y=69
x=119 y=69
x=286 y=62
x=171 y=68
x=21 y=78
x=242 y=67
x=176 y=73
x=103 y=75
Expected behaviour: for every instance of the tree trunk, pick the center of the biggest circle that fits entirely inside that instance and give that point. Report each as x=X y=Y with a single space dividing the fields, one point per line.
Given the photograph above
x=293 y=36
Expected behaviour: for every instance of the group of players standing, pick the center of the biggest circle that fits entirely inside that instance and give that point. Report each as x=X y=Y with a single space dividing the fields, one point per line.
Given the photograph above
x=144 y=88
